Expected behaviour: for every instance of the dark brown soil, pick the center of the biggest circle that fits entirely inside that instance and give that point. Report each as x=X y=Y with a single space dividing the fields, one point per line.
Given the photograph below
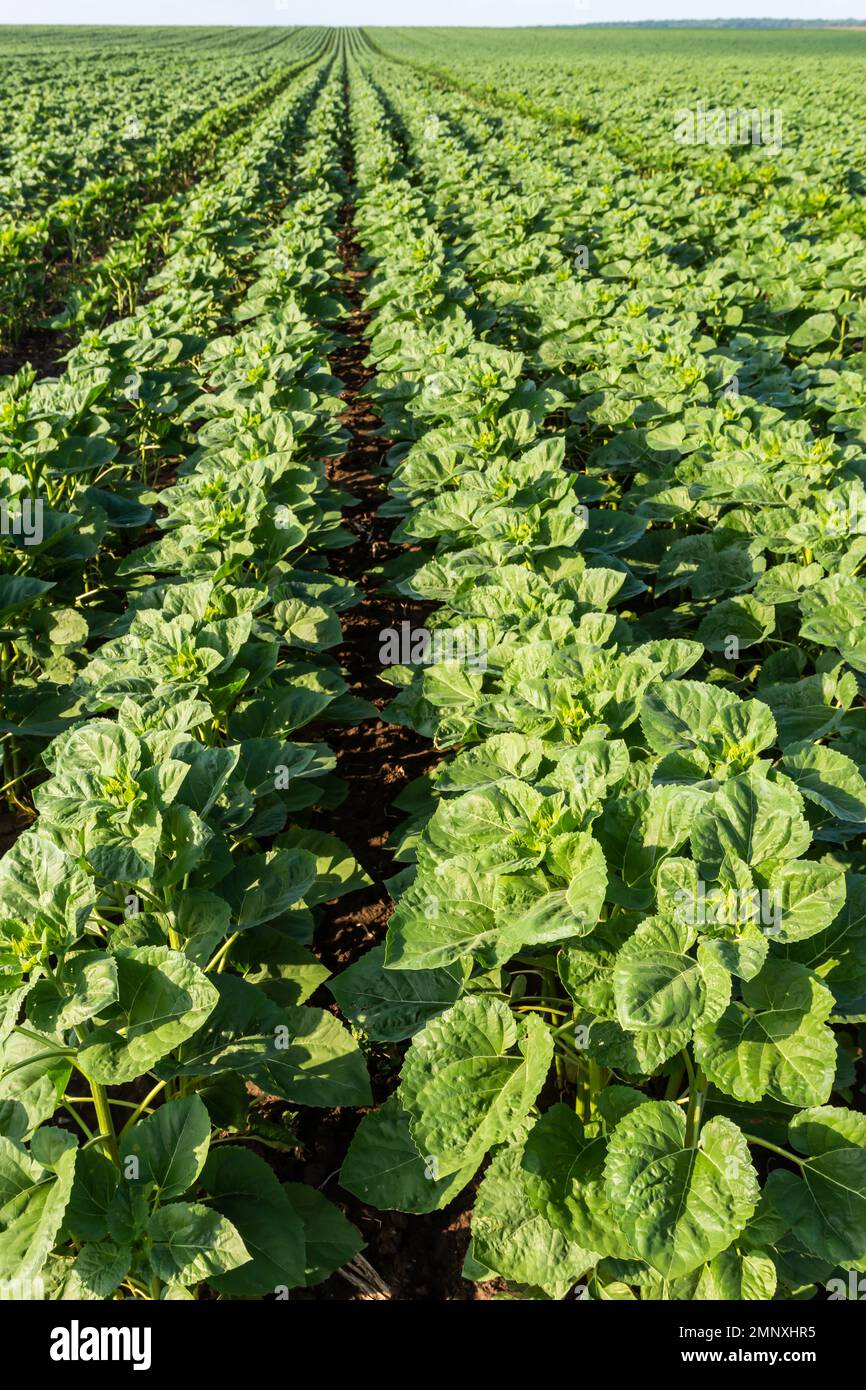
x=376 y=759
x=41 y=348
x=416 y=1257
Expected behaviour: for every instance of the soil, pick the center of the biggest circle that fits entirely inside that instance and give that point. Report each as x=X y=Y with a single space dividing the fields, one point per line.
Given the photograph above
x=41 y=348
x=415 y=1257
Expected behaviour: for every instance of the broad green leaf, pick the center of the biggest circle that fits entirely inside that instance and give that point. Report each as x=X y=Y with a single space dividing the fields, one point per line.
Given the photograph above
x=511 y=1238
x=827 y=777
x=393 y=1004
x=826 y=1204
x=313 y=1060
x=245 y=1190
x=191 y=1243
x=46 y=888
x=30 y=1225
x=817 y=328
x=775 y=1041
x=101 y=1267
x=30 y=1093
x=162 y=1000
x=86 y=986
x=805 y=898
x=329 y=1239
x=563 y=1172
x=288 y=972
x=732 y=1276
x=171 y=1146
x=822 y=1128
x=657 y=985
x=93 y=1191
x=465 y=1087
x=384 y=1168
x=742 y=618
x=337 y=871
x=264 y=885
x=752 y=819
x=679 y=1206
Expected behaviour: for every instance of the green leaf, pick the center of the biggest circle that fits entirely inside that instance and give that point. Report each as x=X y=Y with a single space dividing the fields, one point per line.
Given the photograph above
x=43 y=886
x=171 y=1146
x=817 y=328
x=289 y=973
x=337 y=870
x=93 y=1191
x=826 y=1204
x=511 y=1238
x=563 y=1171
x=30 y=1094
x=190 y=1243
x=245 y=1190
x=30 y=1225
x=162 y=1000
x=808 y=897
x=264 y=885
x=752 y=819
x=313 y=1060
x=330 y=1240
x=823 y=1128
x=732 y=1276
x=742 y=617
x=775 y=1042
x=102 y=1267
x=657 y=986
x=88 y=985
x=679 y=1206
x=384 y=1168
x=393 y=1004
x=828 y=778
x=464 y=1087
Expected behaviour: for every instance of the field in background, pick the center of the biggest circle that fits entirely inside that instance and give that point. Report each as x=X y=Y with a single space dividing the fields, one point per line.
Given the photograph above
x=432 y=664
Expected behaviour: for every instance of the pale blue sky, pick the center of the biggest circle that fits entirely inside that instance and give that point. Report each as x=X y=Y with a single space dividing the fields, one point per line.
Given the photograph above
x=437 y=12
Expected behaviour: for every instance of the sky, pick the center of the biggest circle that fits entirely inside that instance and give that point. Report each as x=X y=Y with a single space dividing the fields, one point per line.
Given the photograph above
x=435 y=12
x=413 y=11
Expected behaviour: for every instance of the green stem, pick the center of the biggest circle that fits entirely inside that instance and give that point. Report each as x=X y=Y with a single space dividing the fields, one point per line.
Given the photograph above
x=106 y=1124
x=85 y=1100
x=597 y=1080
x=675 y=1080
x=143 y=1105
x=218 y=961
x=77 y=1118
x=34 y=1057
x=687 y=1063
x=697 y=1097
x=774 y=1148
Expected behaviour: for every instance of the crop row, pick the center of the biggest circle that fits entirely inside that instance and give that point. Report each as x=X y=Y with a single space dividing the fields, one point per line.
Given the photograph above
x=56 y=139
x=85 y=452
x=157 y=915
x=40 y=258
x=637 y=880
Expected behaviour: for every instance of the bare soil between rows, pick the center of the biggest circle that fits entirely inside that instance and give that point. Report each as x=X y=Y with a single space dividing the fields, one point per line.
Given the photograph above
x=415 y=1257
